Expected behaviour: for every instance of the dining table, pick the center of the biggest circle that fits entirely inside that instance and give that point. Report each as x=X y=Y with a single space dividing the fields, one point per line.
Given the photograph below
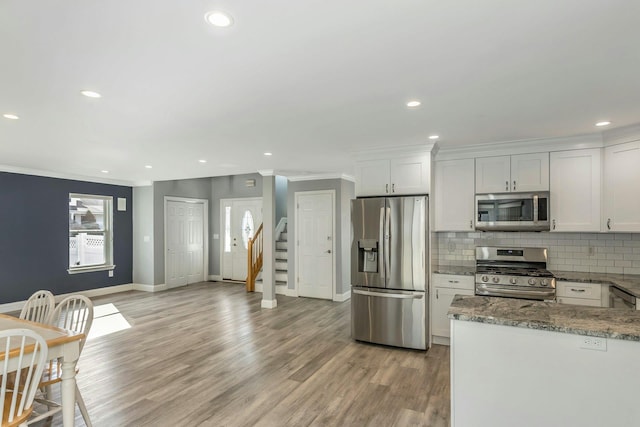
x=64 y=345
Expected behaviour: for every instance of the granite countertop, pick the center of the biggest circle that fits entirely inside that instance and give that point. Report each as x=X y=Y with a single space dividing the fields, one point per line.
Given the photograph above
x=464 y=270
x=626 y=282
x=573 y=319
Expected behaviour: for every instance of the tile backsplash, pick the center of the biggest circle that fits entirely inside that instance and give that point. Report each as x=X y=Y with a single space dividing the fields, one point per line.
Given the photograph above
x=592 y=252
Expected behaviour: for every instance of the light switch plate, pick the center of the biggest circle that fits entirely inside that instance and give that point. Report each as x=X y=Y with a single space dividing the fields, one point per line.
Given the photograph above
x=122 y=204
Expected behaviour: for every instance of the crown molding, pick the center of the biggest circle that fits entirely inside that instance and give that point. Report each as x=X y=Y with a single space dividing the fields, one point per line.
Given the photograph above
x=388 y=152
x=267 y=172
x=622 y=135
x=69 y=176
x=318 y=177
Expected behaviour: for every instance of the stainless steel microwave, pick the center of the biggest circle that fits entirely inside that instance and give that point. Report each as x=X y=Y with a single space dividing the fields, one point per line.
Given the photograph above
x=512 y=212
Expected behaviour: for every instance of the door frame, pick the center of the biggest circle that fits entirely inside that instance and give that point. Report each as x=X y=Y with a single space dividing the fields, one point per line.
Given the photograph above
x=297 y=231
x=221 y=236
x=205 y=233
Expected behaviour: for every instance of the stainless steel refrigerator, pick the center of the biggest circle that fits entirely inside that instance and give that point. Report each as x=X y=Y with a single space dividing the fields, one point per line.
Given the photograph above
x=389 y=301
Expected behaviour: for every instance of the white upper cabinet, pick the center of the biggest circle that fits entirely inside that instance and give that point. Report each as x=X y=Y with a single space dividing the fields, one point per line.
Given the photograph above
x=575 y=182
x=621 y=187
x=454 y=195
x=518 y=173
x=393 y=177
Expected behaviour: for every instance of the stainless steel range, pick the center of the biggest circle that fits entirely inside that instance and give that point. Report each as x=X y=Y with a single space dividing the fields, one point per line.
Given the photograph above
x=514 y=273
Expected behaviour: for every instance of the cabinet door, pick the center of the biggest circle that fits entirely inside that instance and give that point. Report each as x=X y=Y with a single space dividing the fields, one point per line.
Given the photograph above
x=409 y=175
x=372 y=178
x=575 y=190
x=621 y=190
x=441 y=303
x=530 y=172
x=454 y=195
x=493 y=174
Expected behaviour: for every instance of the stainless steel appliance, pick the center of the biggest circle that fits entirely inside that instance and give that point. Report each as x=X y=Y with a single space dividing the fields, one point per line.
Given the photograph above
x=389 y=301
x=514 y=273
x=512 y=212
x=621 y=299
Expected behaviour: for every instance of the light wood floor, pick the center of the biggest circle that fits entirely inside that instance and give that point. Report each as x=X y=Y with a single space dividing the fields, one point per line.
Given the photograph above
x=208 y=355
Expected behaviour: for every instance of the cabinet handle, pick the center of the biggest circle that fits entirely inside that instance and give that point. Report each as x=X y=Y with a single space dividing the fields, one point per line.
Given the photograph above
x=386 y=188
x=437 y=294
x=471 y=224
x=514 y=186
x=577 y=290
x=554 y=224
x=609 y=224
x=506 y=185
x=454 y=281
x=393 y=188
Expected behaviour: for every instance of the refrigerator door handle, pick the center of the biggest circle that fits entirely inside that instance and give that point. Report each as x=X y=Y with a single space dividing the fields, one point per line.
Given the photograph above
x=416 y=295
x=387 y=244
x=381 y=248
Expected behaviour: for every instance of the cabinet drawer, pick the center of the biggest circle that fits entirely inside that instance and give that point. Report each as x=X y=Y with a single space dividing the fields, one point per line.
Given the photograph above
x=579 y=290
x=454 y=281
x=579 y=301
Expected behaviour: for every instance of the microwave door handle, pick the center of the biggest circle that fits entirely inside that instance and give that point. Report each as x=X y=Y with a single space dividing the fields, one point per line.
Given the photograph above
x=535 y=208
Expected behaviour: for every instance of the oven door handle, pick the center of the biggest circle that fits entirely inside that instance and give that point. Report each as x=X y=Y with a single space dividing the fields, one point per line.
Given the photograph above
x=488 y=289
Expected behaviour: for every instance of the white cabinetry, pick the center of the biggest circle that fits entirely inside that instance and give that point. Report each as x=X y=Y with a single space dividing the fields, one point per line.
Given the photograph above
x=575 y=181
x=445 y=287
x=454 y=195
x=621 y=187
x=395 y=176
x=518 y=173
x=578 y=293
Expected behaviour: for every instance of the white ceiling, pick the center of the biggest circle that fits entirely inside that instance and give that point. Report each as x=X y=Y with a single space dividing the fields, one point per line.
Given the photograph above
x=311 y=81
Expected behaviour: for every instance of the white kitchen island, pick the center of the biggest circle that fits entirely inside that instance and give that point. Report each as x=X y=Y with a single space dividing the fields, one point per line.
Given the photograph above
x=524 y=363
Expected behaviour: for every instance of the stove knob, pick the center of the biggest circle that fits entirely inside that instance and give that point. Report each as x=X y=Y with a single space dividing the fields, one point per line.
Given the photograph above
x=513 y=280
x=484 y=278
x=495 y=279
x=544 y=282
x=532 y=281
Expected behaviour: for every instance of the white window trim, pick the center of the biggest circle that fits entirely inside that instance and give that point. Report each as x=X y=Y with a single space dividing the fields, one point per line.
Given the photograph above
x=108 y=225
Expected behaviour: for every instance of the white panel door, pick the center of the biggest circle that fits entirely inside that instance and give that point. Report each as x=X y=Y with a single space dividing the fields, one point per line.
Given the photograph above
x=314 y=234
x=454 y=195
x=241 y=218
x=493 y=174
x=621 y=190
x=195 y=242
x=575 y=190
x=176 y=244
x=530 y=172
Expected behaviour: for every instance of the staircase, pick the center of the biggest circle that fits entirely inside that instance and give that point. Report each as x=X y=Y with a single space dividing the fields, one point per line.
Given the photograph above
x=281 y=273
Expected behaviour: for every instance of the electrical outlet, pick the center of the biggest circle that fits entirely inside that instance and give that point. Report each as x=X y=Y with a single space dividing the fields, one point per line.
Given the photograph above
x=110 y=273
x=591 y=250
x=593 y=343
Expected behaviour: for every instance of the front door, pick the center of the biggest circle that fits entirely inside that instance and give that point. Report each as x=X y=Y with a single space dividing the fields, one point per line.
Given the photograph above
x=315 y=249
x=240 y=219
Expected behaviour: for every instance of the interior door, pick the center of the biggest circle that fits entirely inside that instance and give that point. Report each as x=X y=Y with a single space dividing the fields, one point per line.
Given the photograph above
x=195 y=242
x=241 y=218
x=314 y=233
x=176 y=244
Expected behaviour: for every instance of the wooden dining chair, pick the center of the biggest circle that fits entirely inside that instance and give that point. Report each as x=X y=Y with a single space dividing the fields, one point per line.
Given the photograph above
x=74 y=313
x=27 y=352
x=39 y=307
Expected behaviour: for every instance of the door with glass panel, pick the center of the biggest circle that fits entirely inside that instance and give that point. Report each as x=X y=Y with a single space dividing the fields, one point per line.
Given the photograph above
x=240 y=220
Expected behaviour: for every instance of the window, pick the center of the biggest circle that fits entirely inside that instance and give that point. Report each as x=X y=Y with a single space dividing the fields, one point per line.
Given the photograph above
x=90 y=233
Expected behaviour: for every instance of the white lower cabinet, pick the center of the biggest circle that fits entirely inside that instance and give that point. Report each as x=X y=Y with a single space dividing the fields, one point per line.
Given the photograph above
x=578 y=293
x=445 y=288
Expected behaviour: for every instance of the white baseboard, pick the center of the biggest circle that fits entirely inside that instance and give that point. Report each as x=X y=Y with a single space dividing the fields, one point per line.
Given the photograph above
x=342 y=297
x=435 y=339
x=150 y=288
x=269 y=303
x=215 y=277
x=290 y=292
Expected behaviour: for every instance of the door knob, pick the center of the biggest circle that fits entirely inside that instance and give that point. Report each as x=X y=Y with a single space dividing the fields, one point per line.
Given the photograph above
x=328 y=251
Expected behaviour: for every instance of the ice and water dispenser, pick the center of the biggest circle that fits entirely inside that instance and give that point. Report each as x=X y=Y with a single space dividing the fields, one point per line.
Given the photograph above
x=368 y=256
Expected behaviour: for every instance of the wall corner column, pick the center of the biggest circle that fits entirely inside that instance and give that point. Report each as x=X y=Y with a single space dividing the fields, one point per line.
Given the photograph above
x=269 y=243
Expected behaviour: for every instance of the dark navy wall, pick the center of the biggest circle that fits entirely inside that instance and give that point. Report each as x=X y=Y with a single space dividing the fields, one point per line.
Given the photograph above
x=34 y=236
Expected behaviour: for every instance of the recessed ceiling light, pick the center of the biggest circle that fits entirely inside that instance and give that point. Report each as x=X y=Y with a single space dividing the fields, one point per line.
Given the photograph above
x=104 y=171
x=434 y=136
x=268 y=154
x=202 y=161
x=413 y=104
x=604 y=123
x=148 y=166
x=90 y=94
x=10 y=116
x=218 y=18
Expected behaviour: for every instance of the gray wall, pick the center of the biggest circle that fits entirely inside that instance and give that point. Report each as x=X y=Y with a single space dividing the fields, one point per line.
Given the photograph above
x=143 y=226
x=281 y=198
x=344 y=191
x=226 y=187
x=199 y=188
